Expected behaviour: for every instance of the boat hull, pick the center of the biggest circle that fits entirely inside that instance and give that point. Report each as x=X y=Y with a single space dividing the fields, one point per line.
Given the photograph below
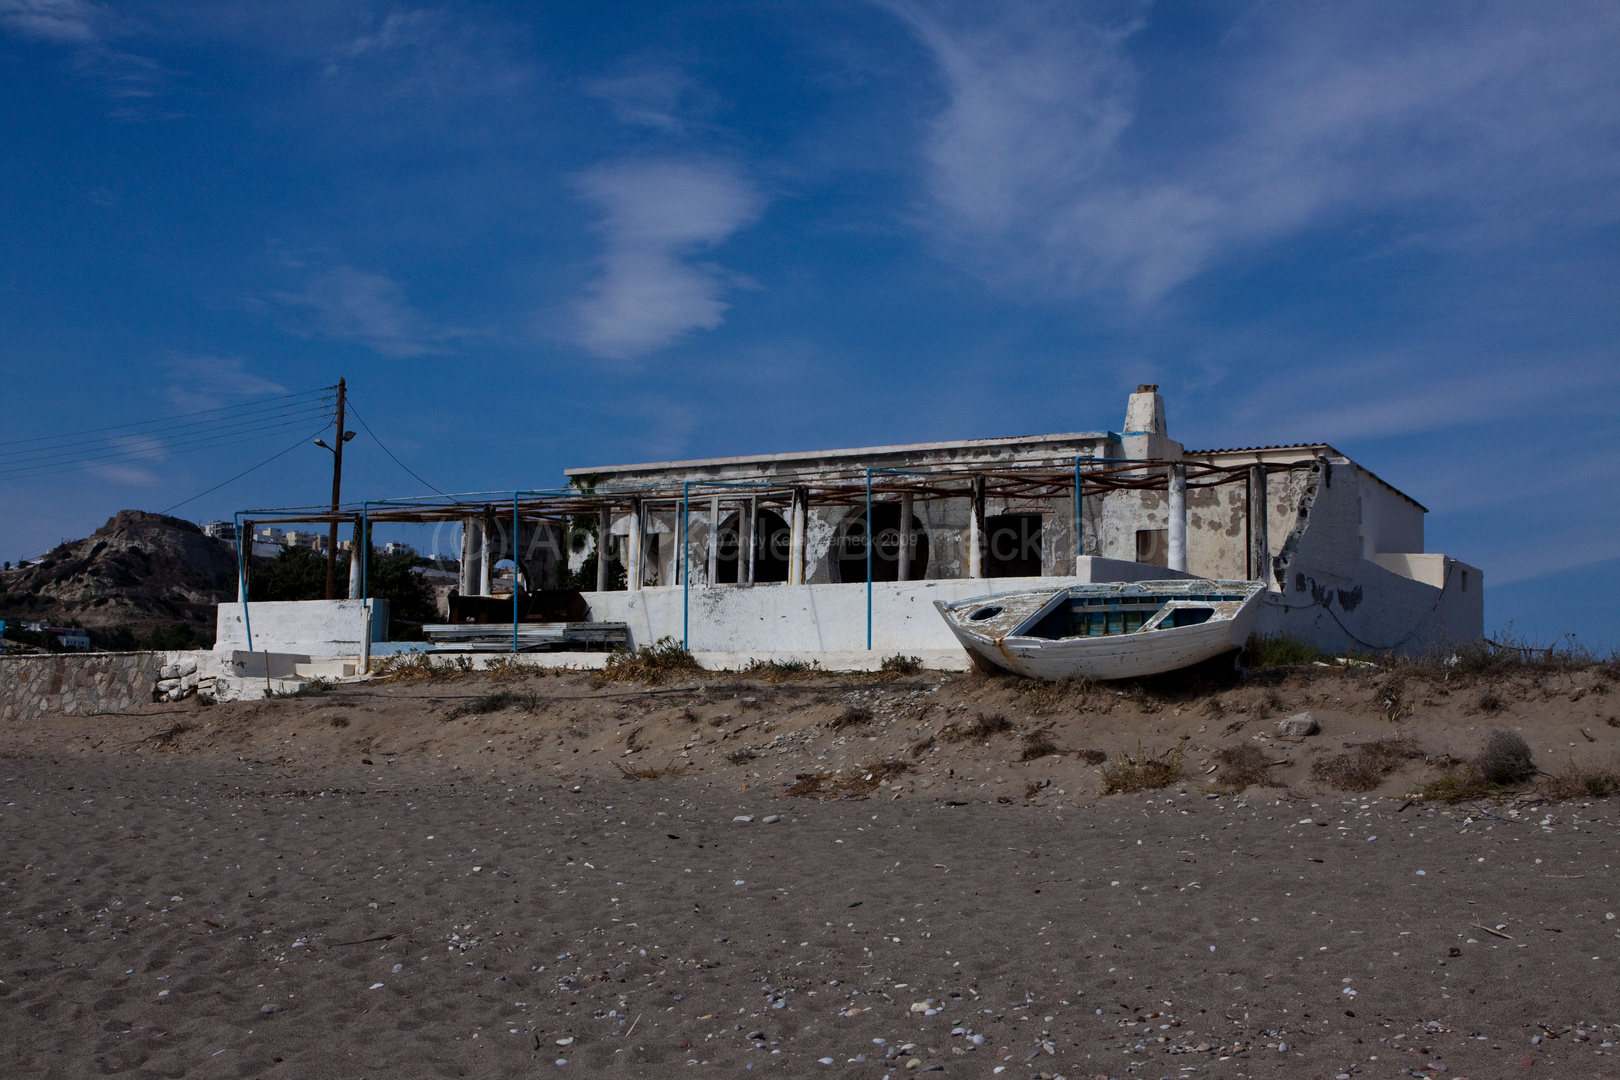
x=1112 y=656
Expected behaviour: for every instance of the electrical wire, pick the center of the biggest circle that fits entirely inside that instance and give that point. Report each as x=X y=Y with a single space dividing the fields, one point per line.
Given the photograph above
x=246 y=407
x=244 y=472
x=265 y=428
x=387 y=451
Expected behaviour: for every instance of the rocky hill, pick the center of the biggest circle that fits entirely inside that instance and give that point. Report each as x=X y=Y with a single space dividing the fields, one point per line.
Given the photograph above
x=141 y=572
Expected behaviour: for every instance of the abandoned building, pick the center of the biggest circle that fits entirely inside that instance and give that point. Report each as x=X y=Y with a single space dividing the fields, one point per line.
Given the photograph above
x=839 y=554
x=1341 y=550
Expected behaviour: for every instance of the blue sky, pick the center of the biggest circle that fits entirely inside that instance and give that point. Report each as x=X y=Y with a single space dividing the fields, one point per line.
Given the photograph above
x=536 y=236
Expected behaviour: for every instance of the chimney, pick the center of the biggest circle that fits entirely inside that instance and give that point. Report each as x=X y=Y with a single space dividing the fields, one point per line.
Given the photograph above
x=1146 y=436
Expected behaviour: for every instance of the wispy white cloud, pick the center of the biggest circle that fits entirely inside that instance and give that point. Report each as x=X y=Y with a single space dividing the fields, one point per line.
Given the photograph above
x=209 y=382
x=1040 y=169
x=64 y=21
x=345 y=303
x=656 y=217
x=652 y=94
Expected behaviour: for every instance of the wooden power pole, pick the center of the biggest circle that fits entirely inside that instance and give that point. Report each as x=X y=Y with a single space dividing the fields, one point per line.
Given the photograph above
x=337 y=494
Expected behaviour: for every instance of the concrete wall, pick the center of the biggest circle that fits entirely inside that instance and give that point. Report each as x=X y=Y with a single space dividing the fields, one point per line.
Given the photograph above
x=83 y=684
x=824 y=618
x=1338 y=601
x=308 y=627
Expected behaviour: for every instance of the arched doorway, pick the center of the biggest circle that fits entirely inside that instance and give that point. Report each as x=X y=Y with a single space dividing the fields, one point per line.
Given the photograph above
x=851 y=554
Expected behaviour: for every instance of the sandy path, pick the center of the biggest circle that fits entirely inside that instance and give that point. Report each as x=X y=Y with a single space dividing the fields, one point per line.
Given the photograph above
x=186 y=916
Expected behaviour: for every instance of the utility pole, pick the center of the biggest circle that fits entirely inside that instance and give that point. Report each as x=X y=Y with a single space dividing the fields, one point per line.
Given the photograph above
x=337 y=493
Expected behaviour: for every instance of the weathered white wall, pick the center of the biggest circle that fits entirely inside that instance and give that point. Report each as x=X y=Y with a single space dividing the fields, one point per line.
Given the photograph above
x=1390 y=522
x=306 y=627
x=1339 y=601
x=780 y=618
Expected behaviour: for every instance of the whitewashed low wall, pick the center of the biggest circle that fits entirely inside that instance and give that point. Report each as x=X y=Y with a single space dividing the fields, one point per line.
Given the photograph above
x=810 y=619
x=306 y=627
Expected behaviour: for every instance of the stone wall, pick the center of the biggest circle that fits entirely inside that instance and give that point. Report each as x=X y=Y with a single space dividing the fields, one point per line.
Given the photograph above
x=82 y=684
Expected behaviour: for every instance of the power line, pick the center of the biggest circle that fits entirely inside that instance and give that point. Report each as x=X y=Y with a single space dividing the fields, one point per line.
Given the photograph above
x=225 y=409
x=387 y=451
x=138 y=444
x=244 y=472
x=199 y=441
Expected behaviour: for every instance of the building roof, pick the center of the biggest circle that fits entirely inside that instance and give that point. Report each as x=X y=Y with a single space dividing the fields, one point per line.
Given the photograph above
x=1319 y=448
x=1013 y=442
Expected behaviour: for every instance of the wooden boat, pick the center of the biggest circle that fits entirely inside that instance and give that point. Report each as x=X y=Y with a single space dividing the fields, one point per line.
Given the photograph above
x=1116 y=630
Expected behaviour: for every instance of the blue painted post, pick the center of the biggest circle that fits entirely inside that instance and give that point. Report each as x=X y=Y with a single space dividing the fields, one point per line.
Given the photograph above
x=686 y=565
x=869 y=532
x=514 y=570
x=241 y=578
x=365 y=555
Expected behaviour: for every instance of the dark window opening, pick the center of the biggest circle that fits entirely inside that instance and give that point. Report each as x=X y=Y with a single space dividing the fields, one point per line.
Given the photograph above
x=1012 y=545
x=1153 y=547
x=772 y=541
x=886 y=551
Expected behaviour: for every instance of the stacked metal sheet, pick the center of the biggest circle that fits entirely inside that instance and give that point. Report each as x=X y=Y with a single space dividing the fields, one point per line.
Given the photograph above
x=531 y=637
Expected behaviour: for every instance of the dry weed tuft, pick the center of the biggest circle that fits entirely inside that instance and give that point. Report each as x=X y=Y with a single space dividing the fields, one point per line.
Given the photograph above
x=651 y=664
x=171 y=733
x=852 y=716
x=1365 y=765
x=489 y=703
x=741 y=757
x=419 y=667
x=1241 y=766
x=1092 y=757
x=897 y=665
x=1144 y=771
x=1505 y=758
x=1038 y=744
x=922 y=746
x=654 y=772
x=1490 y=703
x=982 y=727
x=861 y=783
x=1577 y=782
x=776 y=671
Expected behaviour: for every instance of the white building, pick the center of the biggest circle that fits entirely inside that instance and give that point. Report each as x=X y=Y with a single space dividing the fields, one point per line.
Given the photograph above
x=1341 y=550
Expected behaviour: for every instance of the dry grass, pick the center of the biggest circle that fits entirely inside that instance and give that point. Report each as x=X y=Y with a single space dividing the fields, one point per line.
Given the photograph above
x=1241 y=767
x=1265 y=651
x=653 y=772
x=171 y=733
x=1091 y=757
x=852 y=716
x=1578 y=782
x=1365 y=765
x=418 y=667
x=1038 y=744
x=858 y=785
x=1056 y=696
x=897 y=665
x=650 y=664
x=1505 y=758
x=510 y=668
x=496 y=702
x=922 y=746
x=776 y=671
x=981 y=728
x=1490 y=703
x=1461 y=782
x=741 y=757
x=1144 y=770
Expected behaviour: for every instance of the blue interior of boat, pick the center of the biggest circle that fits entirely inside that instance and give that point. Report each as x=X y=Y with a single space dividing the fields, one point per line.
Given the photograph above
x=1099 y=616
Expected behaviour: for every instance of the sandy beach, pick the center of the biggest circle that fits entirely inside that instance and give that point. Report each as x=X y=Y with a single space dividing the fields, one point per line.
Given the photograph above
x=469 y=878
